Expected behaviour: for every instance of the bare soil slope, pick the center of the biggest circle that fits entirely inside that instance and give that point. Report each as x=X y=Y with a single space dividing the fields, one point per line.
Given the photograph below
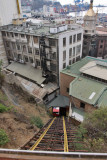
x=16 y=122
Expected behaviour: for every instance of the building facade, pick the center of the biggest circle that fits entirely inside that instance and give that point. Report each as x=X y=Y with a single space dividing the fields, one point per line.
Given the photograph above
x=89 y=43
x=49 y=48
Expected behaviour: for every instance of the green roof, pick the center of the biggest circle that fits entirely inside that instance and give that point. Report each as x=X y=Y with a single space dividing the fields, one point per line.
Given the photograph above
x=27 y=71
x=59 y=101
x=74 y=69
x=87 y=90
x=103 y=99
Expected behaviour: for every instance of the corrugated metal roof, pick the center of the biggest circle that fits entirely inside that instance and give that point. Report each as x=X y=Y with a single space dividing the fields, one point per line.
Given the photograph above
x=74 y=69
x=103 y=99
x=60 y=101
x=27 y=71
x=87 y=90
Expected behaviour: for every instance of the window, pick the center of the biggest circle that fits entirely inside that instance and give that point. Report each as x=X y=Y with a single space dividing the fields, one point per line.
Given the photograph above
x=54 y=55
x=13 y=46
x=35 y=39
x=29 y=50
x=18 y=47
x=22 y=35
x=52 y=42
x=36 y=52
x=77 y=58
x=64 y=42
x=86 y=31
x=64 y=65
x=67 y=90
x=8 y=34
x=12 y=35
x=82 y=105
x=70 y=62
x=28 y=38
x=73 y=60
x=101 y=41
x=3 y=33
x=73 y=51
x=79 y=37
x=7 y=44
x=31 y=60
x=101 y=46
x=24 y=48
x=64 y=55
x=70 y=40
x=78 y=49
x=26 y=59
x=38 y=62
x=70 y=52
x=74 y=38
x=16 y=34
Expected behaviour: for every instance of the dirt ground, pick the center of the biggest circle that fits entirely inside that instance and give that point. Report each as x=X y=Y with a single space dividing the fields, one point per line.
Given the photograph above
x=16 y=122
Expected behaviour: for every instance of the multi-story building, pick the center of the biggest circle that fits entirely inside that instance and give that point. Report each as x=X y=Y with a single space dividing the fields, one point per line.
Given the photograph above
x=89 y=43
x=50 y=48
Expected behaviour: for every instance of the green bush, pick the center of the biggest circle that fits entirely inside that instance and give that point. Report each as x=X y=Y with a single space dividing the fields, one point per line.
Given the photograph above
x=3 y=108
x=3 y=137
x=37 y=121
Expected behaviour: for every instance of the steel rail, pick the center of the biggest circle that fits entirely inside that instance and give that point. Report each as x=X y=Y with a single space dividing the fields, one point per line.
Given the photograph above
x=41 y=137
x=65 y=137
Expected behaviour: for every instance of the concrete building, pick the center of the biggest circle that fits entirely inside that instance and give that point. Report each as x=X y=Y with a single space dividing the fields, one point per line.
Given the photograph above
x=48 y=48
x=89 y=43
x=85 y=84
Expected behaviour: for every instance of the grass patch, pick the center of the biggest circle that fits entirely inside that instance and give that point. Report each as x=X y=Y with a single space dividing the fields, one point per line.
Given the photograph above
x=3 y=137
x=37 y=121
x=4 y=108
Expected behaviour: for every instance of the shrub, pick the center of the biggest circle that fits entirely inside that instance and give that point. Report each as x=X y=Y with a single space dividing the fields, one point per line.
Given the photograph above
x=37 y=121
x=3 y=108
x=3 y=137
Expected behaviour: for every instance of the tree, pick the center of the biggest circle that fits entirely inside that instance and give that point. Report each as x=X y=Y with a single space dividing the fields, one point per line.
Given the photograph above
x=95 y=124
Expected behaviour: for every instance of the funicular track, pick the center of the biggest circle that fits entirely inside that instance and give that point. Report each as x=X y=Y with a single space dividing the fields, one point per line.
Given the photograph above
x=59 y=134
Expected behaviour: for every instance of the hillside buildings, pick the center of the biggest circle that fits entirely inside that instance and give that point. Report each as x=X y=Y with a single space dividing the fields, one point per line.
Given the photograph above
x=85 y=84
x=49 y=48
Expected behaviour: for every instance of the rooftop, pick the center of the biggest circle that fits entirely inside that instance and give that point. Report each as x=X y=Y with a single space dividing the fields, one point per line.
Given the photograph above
x=27 y=71
x=88 y=90
x=37 y=30
x=74 y=69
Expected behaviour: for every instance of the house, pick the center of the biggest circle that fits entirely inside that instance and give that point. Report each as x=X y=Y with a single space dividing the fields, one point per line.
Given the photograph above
x=85 y=83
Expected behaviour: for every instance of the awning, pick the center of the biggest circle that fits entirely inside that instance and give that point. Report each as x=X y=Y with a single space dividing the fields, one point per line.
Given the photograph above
x=27 y=71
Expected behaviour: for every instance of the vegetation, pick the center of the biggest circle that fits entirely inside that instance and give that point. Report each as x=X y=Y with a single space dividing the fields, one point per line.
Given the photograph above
x=3 y=108
x=94 y=130
x=3 y=137
x=37 y=121
x=1 y=75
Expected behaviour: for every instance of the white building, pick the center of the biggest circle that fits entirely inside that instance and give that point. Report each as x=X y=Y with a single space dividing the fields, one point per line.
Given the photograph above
x=49 y=48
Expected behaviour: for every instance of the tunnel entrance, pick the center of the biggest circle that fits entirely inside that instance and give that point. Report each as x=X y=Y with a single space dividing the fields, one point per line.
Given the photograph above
x=63 y=111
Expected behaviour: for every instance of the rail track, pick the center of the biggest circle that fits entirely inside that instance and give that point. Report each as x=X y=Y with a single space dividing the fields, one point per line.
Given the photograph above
x=58 y=134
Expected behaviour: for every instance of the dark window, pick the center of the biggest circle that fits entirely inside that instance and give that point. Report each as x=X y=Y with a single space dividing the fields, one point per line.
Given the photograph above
x=52 y=42
x=73 y=51
x=86 y=31
x=64 y=55
x=36 y=52
x=8 y=34
x=70 y=62
x=3 y=33
x=24 y=48
x=74 y=38
x=70 y=40
x=31 y=60
x=79 y=37
x=22 y=35
x=64 y=41
x=18 y=47
x=101 y=46
x=70 y=52
x=38 y=62
x=13 y=46
x=67 y=90
x=16 y=34
x=54 y=55
x=30 y=50
x=64 y=65
x=101 y=41
x=82 y=105
x=12 y=34
x=26 y=59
